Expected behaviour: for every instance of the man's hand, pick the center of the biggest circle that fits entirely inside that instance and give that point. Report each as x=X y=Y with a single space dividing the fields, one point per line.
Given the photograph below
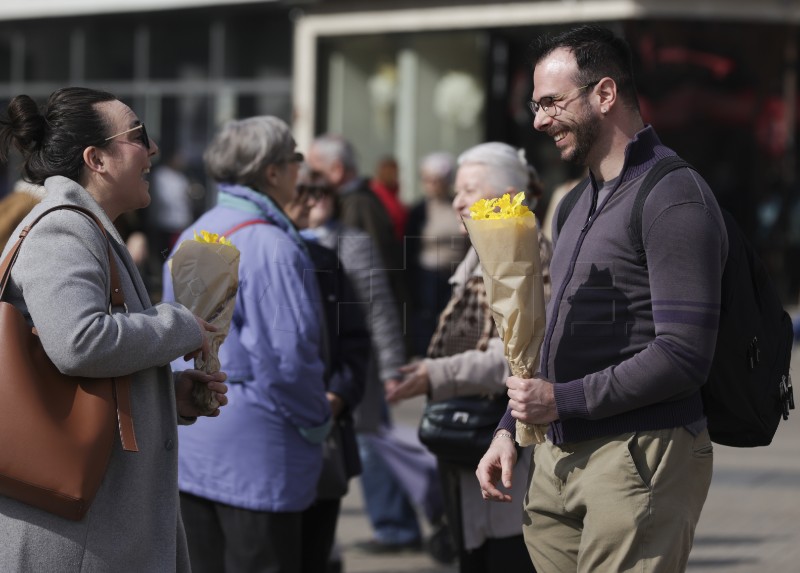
x=531 y=400
x=415 y=382
x=183 y=391
x=496 y=464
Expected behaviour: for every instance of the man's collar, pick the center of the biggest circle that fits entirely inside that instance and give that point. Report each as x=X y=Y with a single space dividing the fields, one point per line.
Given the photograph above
x=641 y=153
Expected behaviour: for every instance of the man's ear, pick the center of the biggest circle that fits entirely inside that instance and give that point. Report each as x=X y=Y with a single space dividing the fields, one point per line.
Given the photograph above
x=606 y=91
x=93 y=159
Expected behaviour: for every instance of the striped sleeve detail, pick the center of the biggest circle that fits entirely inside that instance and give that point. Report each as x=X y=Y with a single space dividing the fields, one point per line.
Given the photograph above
x=704 y=315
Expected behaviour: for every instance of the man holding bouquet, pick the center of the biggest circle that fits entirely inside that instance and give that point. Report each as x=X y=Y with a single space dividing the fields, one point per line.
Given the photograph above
x=624 y=472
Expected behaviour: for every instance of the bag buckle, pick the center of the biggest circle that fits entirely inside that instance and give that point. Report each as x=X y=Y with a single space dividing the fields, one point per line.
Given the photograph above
x=787 y=395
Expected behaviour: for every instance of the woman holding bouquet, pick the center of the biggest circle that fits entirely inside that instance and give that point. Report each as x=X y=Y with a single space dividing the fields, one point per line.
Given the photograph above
x=465 y=358
x=246 y=481
x=89 y=150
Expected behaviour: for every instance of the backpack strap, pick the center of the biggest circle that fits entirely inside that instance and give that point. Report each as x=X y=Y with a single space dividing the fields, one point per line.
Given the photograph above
x=231 y=231
x=568 y=203
x=656 y=173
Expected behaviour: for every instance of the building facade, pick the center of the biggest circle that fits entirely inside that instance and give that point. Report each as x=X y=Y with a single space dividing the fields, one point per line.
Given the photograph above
x=718 y=80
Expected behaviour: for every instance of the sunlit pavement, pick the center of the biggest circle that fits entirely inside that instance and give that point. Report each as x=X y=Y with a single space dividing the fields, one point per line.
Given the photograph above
x=751 y=520
x=750 y=523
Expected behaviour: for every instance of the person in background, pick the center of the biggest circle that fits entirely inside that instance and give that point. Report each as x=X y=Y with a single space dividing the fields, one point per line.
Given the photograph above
x=555 y=200
x=90 y=150
x=370 y=254
x=466 y=358
x=246 y=483
x=14 y=207
x=171 y=211
x=359 y=208
x=434 y=247
x=621 y=480
x=346 y=357
x=389 y=507
x=533 y=195
x=386 y=185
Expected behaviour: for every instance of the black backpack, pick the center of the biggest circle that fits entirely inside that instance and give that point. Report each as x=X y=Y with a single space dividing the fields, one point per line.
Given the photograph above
x=749 y=388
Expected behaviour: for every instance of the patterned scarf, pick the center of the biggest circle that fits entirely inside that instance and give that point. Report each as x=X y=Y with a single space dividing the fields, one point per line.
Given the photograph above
x=466 y=323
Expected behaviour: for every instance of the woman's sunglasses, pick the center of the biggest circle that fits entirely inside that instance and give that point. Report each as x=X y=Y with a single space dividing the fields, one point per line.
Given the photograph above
x=144 y=139
x=313 y=191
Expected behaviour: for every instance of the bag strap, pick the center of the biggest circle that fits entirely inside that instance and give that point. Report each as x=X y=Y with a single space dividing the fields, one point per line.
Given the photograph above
x=121 y=385
x=231 y=231
x=568 y=203
x=656 y=174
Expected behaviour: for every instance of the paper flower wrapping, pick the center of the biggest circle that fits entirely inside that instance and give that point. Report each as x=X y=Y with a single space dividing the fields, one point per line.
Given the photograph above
x=205 y=279
x=505 y=236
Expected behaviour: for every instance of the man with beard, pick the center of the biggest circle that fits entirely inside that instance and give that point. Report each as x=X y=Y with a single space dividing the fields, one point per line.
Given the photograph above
x=621 y=479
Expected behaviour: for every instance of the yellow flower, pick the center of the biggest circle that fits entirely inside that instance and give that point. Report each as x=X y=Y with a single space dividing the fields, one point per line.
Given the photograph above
x=500 y=208
x=206 y=237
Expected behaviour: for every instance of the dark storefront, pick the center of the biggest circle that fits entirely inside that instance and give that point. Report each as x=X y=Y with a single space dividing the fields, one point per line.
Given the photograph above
x=727 y=108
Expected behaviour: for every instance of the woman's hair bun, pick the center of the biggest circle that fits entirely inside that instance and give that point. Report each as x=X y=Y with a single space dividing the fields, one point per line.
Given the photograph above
x=26 y=123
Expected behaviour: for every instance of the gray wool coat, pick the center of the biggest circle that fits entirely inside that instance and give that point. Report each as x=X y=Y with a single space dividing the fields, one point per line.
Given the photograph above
x=61 y=283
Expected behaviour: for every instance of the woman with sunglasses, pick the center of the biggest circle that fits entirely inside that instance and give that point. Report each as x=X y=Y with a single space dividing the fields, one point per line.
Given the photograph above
x=346 y=356
x=89 y=150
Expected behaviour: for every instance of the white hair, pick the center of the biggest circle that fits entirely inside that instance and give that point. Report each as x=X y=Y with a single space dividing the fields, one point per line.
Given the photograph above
x=505 y=166
x=441 y=165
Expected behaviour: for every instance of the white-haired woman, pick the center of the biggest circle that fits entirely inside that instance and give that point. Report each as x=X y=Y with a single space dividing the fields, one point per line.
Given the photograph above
x=245 y=483
x=465 y=358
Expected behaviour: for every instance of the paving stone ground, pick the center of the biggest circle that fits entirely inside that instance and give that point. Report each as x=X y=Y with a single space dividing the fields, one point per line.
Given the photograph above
x=750 y=523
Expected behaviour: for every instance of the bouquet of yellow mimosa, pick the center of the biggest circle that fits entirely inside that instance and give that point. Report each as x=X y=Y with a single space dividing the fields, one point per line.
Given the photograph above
x=205 y=279
x=505 y=236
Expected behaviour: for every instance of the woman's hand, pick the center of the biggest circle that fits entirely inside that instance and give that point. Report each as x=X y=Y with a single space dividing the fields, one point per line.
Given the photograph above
x=203 y=351
x=183 y=391
x=415 y=382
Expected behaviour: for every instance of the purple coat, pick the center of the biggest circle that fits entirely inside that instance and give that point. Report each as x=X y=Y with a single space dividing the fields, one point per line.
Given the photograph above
x=263 y=453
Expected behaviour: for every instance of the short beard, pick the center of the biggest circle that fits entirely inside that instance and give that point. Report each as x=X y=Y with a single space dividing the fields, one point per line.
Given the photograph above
x=585 y=133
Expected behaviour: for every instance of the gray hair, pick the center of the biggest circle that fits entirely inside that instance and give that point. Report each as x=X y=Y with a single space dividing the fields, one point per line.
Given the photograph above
x=243 y=148
x=506 y=166
x=332 y=147
x=441 y=165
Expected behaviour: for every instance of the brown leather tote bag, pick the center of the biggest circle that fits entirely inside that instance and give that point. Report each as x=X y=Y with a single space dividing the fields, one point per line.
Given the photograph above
x=57 y=431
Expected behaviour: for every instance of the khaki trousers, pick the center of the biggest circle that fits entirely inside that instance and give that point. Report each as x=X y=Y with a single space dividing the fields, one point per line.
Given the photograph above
x=622 y=503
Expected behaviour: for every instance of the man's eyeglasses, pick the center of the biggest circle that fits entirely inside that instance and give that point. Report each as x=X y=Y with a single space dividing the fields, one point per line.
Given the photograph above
x=143 y=137
x=548 y=103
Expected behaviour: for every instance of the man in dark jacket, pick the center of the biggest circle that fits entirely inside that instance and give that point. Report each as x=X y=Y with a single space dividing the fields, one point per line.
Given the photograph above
x=621 y=480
